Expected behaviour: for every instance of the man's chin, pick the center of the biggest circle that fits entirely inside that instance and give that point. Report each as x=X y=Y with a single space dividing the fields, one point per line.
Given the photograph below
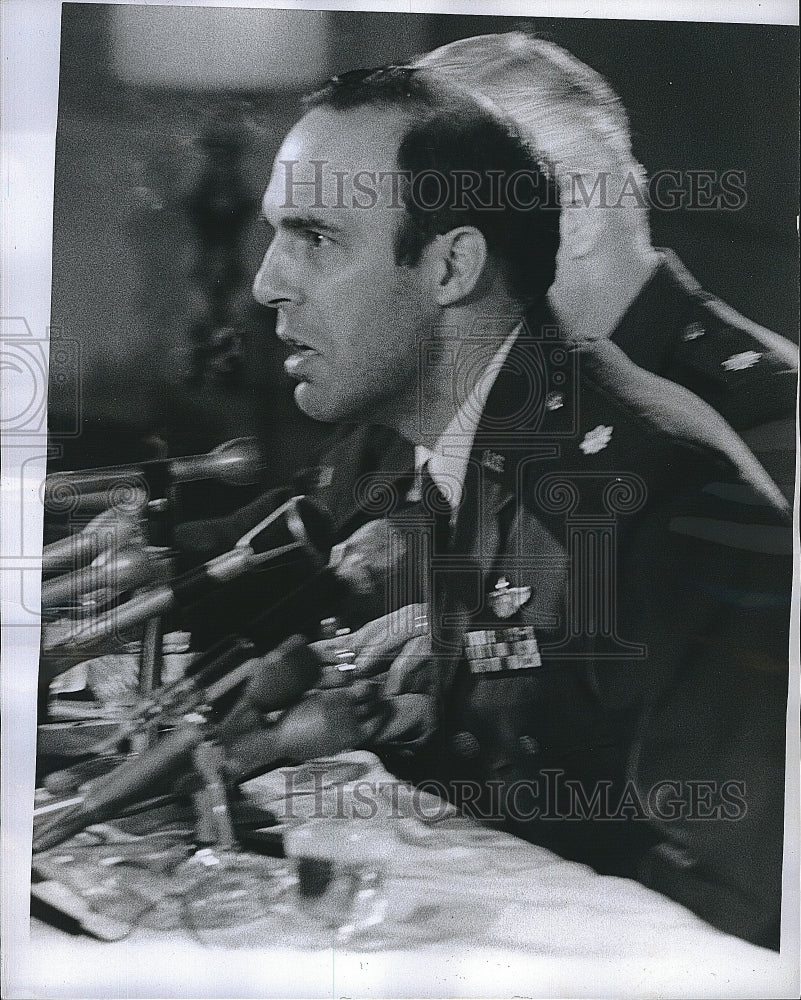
x=316 y=403
x=319 y=403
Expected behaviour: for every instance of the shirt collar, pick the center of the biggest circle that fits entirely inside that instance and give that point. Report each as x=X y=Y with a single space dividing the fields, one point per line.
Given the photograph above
x=447 y=459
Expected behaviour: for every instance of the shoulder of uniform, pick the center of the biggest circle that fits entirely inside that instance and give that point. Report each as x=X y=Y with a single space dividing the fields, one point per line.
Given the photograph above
x=608 y=378
x=647 y=415
x=707 y=328
x=360 y=472
x=721 y=341
x=363 y=446
x=747 y=373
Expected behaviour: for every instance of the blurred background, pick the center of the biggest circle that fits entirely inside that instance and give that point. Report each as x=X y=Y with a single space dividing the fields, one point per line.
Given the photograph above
x=169 y=118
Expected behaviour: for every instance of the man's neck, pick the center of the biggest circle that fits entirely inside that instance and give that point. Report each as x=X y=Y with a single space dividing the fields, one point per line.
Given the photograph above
x=589 y=301
x=452 y=370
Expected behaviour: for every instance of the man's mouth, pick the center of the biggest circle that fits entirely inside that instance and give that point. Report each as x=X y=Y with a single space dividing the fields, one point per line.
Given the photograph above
x=297 y=364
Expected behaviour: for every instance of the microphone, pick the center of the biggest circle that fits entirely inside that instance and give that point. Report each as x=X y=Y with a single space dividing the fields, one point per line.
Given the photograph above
x=110 y=530
x=296 y=525
x=124 y=784
x=238 y=462
x=108 y=575
x=214 y=673
x=273 y=683
x=364 y=580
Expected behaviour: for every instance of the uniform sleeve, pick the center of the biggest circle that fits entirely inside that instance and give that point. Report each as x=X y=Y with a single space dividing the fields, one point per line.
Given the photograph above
x=708 y=588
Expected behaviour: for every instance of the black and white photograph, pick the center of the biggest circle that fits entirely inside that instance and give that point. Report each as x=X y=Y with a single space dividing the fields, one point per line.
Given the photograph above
x=400 y=545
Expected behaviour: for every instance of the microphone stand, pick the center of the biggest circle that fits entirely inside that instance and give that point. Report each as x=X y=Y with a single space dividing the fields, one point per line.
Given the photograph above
x=192 y=742
x=161 y=516
x=187 y=708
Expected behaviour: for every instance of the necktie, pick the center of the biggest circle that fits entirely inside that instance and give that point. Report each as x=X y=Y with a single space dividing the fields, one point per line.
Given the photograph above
x=424 y=525
x=440 y=578
x=437 y=509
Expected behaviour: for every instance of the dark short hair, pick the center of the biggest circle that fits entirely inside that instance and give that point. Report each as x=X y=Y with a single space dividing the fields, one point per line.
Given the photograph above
x=463 y=164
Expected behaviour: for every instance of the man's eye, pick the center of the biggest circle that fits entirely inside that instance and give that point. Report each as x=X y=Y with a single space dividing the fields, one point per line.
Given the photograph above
x=315 y=239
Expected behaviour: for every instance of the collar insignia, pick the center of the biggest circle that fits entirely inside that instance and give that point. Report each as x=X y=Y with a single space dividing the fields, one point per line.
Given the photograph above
x=738 y=362
x=693 y=331
x=596 y=440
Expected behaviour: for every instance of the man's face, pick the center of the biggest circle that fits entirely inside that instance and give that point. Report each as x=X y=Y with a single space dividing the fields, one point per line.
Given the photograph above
x=352 y=317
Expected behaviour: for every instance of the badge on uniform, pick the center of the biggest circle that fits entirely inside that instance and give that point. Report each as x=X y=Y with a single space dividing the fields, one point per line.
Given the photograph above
x=491 y=650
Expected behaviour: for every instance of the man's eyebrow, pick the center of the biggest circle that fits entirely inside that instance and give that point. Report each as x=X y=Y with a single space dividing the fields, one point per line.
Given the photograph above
x=302 y=223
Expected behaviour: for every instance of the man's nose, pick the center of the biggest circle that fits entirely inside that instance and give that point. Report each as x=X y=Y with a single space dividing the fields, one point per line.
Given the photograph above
x=271 y=286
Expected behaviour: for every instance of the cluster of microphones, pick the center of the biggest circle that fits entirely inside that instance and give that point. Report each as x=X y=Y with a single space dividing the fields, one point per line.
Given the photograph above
x=230 y=687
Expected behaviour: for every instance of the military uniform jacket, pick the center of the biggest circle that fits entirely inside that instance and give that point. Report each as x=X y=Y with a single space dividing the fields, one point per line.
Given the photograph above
x=747 y=373
x=610 y=621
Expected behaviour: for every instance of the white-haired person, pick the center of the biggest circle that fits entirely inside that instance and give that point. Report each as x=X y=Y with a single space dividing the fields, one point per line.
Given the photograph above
x=610 y=280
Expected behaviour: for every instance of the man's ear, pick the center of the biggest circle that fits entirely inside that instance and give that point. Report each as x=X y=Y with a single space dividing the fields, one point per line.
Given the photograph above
x=460 y=257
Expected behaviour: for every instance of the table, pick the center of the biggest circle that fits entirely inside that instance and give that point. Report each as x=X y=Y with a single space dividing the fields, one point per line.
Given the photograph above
x=476 y=912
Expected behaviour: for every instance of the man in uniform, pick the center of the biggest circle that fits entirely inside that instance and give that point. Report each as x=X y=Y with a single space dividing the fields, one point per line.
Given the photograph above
x=610 y=281
x=608 y=585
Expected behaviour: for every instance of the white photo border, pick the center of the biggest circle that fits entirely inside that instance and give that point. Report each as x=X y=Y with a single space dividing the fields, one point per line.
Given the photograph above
x=30 y=67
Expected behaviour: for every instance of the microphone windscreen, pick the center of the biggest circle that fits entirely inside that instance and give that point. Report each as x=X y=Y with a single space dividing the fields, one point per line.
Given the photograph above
x=277 y=681
x=110 y=530
x=125 y=570
x=239 y=462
